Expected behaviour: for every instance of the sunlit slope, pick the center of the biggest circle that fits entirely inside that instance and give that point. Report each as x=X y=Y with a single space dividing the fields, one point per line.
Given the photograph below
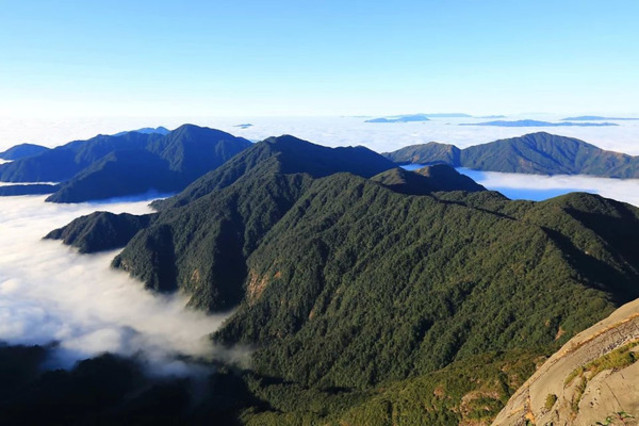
x=591 y=378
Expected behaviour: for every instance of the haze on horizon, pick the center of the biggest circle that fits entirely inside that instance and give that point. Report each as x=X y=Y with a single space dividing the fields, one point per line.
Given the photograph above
x=283 y=58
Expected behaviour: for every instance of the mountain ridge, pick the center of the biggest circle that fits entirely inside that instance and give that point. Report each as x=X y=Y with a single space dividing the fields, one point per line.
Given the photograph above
x=535 y=153
x=127 y=164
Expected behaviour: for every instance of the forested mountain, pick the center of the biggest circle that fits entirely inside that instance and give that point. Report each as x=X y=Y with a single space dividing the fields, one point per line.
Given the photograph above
x=128 y=163
x=62 y=163
x=101 y=231
x=347 y=284
x=22 y=151
x=540 y=153
x=111 y=390
x=428 y=179
x=122 y=172
x=284 y=155
x=428 y=154
x=30 y=189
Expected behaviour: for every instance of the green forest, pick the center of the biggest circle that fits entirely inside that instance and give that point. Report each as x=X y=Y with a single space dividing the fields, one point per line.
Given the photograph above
x=366 y=298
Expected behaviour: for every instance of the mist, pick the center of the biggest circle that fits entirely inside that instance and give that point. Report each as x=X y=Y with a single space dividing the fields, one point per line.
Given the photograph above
x=50 y=293
x=540 y=187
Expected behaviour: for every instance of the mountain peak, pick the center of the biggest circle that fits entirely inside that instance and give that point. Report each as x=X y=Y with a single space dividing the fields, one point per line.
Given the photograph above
x=426 y=180
x=22 y=150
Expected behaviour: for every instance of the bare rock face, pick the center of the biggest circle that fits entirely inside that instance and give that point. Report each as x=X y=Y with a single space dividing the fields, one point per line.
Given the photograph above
x=592 y=379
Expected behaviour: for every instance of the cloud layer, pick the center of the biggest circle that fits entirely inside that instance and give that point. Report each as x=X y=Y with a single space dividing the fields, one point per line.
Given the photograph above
x=49 y=292
x=539 y=187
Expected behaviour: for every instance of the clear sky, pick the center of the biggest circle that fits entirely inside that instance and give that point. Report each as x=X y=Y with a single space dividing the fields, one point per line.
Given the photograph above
x=320 y=57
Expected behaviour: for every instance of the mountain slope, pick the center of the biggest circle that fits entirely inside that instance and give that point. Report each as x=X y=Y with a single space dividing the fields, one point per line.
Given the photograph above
x=22 y=151
x=29 y=189
x=592 y=377
x=167 y=164
x=62 y=163
x=378 y=285
x=127 y=164
x=100 y=231
x=284 y=154
x=120 y=173
x=192 y=151
x=342 y=284
x=426 y=180
x=160 y=130
x=540 y=153
x=201 y=248
x=427 y=154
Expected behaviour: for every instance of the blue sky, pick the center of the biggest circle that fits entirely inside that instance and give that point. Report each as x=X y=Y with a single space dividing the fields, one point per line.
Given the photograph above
x=169 y=58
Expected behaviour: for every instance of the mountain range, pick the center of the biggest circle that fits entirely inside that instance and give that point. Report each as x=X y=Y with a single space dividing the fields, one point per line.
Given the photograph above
x=597 y=118
x=371 y=294
x=537 y=123
x=129 y=163
x=147 y=130
x=407 y=118
x=137 y=162
x=537 y=153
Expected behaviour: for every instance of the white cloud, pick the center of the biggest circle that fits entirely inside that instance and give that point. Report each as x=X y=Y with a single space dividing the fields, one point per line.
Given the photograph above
x=49 y=292
x=540 y=187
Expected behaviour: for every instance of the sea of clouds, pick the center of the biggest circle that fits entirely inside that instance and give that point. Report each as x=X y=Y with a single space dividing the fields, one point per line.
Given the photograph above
x=329 y=131
x=51 y=294
x=518 y=186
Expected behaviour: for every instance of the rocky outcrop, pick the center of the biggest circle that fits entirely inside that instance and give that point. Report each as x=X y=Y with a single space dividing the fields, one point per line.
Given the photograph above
x=592 y=379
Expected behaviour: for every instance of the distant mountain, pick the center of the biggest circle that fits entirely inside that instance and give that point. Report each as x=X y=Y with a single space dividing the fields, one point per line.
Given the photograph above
x=62 y=163
x=399 y=119
x=351 y=288
x=119 y=173
x=427 y=154
x=540 y=153
x=244 y=125
x=147 y=130
x=416 y=117
x=535 y=123
x=597 y=118
x=22 y=151
x=448 y=115
x=135 y=162
x=492 y=116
